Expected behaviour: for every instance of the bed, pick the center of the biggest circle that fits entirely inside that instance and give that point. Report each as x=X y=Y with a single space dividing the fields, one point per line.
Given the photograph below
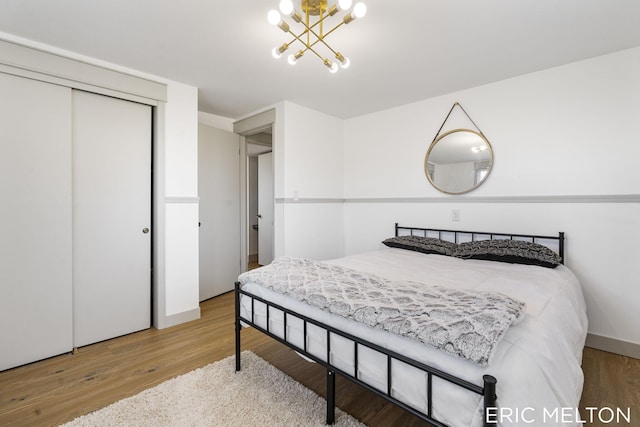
x=531 y=372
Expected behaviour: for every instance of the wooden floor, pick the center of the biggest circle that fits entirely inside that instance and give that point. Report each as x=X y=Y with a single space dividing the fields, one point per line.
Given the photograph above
x=58 y=389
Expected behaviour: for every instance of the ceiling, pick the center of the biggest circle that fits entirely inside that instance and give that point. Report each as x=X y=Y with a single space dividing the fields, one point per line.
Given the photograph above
x=402 y=51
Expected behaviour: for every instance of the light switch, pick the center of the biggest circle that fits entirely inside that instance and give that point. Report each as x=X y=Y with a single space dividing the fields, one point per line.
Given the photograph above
x=455 y=214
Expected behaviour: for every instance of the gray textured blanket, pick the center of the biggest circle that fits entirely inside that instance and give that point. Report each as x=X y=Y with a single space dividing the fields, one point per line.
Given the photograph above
x=464 y=323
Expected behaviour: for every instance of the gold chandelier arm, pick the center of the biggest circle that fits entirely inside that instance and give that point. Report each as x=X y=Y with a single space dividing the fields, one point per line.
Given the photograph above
x=333 y=29
x=298 y=37
x=307 y=46
x=310 y=49
x=321 y=38
x=316 y=53
x=308 y=30
x=315 y=24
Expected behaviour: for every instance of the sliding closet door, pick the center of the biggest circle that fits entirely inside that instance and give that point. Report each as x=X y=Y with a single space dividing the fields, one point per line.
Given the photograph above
x=111 y=217
x=35 y=220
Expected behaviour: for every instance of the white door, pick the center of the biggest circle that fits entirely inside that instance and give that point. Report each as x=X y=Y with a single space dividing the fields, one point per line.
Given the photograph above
x=265 y=208
x=219 y=232
x=35 y=221
x=111 y=217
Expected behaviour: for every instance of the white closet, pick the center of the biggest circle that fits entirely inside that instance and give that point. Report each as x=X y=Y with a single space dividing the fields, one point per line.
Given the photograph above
x=75 y=183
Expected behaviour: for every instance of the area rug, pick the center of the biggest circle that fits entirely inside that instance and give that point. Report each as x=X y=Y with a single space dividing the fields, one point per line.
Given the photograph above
x=215 y=395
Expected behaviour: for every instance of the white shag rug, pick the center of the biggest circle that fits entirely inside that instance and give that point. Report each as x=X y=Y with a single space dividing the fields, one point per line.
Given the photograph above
x=215 y=395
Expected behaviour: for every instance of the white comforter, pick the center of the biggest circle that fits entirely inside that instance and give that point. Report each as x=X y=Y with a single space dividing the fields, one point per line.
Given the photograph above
x=537 y=363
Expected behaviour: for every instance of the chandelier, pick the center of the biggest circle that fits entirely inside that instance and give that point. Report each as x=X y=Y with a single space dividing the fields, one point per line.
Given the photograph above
x=313 y=33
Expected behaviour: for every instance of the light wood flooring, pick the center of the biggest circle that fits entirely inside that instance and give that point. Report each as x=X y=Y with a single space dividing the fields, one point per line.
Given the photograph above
x=57 y=390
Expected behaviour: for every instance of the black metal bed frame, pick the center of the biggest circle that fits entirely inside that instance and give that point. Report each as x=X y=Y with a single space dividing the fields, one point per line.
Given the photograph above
x=474 y=235
x=488 y=390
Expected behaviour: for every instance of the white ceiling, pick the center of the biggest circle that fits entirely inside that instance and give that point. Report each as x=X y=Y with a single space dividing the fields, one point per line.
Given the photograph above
x=402 y=51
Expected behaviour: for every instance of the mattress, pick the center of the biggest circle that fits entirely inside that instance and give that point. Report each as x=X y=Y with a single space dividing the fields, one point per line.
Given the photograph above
x=537 y=362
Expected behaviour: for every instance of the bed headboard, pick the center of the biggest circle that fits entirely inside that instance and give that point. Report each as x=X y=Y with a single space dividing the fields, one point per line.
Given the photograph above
x=555 y=243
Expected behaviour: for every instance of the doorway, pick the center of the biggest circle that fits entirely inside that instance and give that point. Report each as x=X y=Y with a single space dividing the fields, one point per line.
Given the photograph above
x=259 y=224
x=257 y=133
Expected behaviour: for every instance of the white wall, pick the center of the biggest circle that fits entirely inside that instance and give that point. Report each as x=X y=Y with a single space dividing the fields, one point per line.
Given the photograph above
x=218 y=122
x=578 y=117
x=181 y=141
x=309 y=169
x=181 y=202
x=566 y=149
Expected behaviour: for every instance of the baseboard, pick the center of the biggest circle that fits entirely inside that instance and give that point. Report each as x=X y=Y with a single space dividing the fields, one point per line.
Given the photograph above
x=613 y=345
x=178 y=318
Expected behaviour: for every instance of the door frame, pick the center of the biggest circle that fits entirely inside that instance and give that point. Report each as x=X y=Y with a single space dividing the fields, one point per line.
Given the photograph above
x=246 y=127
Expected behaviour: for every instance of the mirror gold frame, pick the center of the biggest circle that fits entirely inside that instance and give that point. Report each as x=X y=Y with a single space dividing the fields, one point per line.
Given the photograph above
x=458 y=161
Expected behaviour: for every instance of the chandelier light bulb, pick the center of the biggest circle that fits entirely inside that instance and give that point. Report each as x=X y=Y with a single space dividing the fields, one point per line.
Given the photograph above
x=279 y=50
x=273 y=17
x=286 y=7
x=332 y=66
x=344 y=4
x=293 y=59
x=342 y=60
x=359 y=10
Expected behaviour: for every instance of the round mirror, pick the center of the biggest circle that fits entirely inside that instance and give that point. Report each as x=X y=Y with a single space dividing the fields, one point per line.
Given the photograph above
x=458 y=161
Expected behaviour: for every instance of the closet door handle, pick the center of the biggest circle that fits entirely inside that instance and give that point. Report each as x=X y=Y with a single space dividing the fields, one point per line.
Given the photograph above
x=145 y=230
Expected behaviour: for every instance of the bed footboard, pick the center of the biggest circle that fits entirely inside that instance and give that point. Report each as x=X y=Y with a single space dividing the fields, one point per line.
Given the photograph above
x=488 y=391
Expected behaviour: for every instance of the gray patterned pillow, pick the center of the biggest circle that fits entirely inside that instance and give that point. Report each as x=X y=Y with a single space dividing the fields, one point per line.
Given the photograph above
x=426 y=245
x=513 y=251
